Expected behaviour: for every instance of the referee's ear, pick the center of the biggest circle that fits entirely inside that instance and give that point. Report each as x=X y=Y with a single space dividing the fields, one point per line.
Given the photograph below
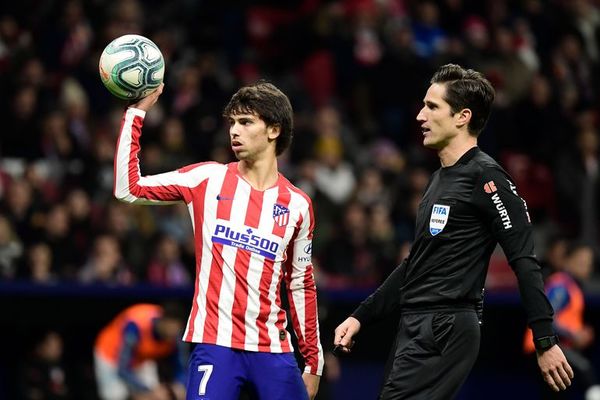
x=463 y=117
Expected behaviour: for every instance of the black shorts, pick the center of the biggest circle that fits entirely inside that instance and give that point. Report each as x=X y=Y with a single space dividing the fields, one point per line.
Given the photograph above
x=433 y=354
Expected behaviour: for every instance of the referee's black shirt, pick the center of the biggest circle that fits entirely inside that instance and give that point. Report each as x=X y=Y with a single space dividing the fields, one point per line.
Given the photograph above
x=466 y=210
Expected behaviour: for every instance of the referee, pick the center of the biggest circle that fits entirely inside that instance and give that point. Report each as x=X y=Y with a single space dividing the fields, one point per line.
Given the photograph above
x=469 y=205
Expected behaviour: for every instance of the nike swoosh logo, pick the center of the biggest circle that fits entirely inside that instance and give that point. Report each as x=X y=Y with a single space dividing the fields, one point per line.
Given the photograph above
x=219 y=198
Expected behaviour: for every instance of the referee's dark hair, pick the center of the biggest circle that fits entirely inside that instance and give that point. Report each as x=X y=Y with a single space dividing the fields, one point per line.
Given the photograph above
x=271 y=105
x=467 y=88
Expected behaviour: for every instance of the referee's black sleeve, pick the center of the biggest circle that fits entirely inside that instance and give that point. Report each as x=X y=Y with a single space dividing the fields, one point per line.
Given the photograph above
x=384 y=300
x=496 y=198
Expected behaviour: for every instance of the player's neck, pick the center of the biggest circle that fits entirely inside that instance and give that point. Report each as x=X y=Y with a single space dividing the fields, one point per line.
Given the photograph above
x=260 y=174
x=455 y=149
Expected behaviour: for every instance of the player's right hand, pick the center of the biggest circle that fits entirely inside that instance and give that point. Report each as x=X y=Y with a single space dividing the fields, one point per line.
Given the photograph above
x=344 y=334
x=147 y=102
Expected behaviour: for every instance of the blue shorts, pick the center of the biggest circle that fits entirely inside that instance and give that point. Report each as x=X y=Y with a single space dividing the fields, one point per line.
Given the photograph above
x=219 y=373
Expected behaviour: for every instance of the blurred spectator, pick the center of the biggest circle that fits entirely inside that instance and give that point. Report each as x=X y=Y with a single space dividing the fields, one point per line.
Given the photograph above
x=18 y=206
x=43 y=375
x=350 y=259
x=80 y=211
x=554 y=255
x=106 y=264
x=430 y=38
x=166 y=267
x=578 y=186
x=56 y=233
x=371 y=190
x=541 y=127
x=334 y=177
x=39 y=264
x=128 y=348
x=11 y=250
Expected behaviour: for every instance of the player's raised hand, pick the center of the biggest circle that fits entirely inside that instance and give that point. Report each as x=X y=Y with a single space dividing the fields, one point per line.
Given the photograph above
x=344 y=334
x=147 y=102
x=555 y=369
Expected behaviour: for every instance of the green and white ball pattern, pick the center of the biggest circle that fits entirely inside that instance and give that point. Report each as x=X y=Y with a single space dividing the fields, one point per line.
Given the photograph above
x=131 y=67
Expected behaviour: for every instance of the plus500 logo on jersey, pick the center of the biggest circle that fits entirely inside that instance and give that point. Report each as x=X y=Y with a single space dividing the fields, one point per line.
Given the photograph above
x=246 y=240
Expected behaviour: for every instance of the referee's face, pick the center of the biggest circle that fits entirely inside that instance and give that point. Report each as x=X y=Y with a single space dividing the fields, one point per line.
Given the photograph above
x=437 y=122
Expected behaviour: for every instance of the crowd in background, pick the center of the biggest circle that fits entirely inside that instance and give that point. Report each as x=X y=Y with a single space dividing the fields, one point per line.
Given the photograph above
x=355 y=71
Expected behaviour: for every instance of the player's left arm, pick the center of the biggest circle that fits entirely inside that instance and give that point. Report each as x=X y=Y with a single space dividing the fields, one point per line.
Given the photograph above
x=302 y=295
x=505 y=212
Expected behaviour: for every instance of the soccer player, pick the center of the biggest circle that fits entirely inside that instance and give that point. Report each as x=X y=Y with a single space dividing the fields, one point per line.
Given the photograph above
x=469 y=205
x=252 y=230
x=126 y=351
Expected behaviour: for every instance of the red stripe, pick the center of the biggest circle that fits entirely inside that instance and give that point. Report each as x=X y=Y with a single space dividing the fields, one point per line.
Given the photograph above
x=266 y=278
x=227 y=192
x=311 y=334
x=213 y=291
x=240 y=299
x=211 y=325
x=254 y=209
x=242 y=264
x=283 y=199
x=265 y=304
x=116 y=158
x=198 y=207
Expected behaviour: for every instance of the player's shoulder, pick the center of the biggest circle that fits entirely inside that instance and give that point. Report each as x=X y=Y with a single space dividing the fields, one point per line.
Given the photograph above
x=293 y=189
x=485 y=165
x=202 y=166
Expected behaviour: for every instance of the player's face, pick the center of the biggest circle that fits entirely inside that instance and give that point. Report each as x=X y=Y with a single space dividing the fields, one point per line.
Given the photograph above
x=437 y=122
x=251 y=138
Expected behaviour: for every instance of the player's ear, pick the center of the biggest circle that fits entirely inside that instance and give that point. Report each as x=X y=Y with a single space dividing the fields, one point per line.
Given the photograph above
x=273 y=131
x=463 y=117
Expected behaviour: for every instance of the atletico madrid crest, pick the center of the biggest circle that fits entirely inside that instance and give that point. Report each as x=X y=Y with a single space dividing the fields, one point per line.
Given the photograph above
x=281 y=215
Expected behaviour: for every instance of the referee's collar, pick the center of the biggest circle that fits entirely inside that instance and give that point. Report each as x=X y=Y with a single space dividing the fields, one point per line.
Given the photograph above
x=468 y=156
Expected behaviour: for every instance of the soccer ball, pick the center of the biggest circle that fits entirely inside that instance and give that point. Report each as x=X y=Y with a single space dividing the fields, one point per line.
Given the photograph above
x=131 y=67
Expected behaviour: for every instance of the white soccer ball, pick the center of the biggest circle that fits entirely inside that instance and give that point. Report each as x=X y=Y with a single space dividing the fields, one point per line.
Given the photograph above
x=131 y=67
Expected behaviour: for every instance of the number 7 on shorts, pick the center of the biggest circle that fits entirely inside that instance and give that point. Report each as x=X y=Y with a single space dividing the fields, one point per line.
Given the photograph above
x=207 y=369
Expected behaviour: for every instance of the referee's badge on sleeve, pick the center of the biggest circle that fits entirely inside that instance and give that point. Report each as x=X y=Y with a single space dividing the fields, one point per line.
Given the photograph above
x=439 y=218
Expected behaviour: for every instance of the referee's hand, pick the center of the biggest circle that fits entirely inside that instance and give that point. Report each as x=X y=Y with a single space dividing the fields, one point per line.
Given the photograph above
x=555 y=369
x=344 y=334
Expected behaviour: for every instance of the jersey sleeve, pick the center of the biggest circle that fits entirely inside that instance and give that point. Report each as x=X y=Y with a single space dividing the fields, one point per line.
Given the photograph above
x=505 y=213
x=130 y=186
x=384 y=300
x=302 y=294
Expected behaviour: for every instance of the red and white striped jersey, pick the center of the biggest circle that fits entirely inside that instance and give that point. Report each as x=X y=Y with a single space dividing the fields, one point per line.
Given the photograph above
x=246 y=242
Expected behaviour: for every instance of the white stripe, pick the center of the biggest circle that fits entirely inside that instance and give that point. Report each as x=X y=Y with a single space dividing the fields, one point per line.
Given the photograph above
x=265 y=224
x=254 y=274
x=210 y=204
x=297 y=202
x=238 y=215
x=122 y=157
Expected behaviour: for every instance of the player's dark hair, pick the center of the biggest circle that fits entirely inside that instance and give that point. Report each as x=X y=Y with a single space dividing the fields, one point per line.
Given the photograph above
x=466 y=88
x=271 y=105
